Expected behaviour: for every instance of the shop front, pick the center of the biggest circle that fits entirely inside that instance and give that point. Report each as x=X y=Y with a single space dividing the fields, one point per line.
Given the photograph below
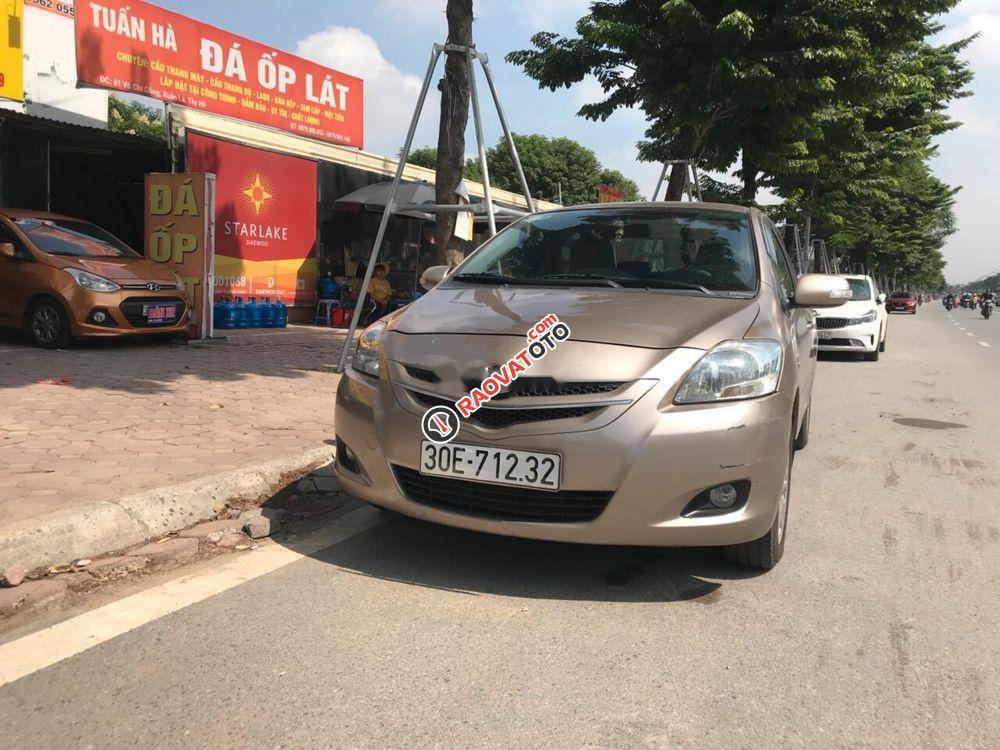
x=282 y=222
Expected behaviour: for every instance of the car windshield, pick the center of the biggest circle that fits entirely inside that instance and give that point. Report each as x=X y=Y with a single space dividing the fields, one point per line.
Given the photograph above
x=700 y=250
x=76 y=238
x=902 y=295
x=860 y=290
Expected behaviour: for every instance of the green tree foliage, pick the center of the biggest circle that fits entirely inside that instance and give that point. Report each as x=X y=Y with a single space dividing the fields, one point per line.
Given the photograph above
x=423 y=157
x=135 y=119
x=548 y=163
x=828 y=102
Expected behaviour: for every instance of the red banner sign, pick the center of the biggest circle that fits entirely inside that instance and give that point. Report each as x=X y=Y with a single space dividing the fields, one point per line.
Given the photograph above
x=608 y=194
x=265 y=220
x=129 y=45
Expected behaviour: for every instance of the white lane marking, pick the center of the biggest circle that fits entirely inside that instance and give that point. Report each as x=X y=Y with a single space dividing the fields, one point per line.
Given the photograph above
x=968 y=334
x=983 y=343
x=53 y=644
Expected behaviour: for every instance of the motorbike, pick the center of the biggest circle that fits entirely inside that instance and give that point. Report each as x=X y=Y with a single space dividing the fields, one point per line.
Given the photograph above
x=987 y=309
x=949 y=304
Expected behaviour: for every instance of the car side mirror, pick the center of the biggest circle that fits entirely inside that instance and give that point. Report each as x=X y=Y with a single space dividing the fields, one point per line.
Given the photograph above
x=821 y=290
x=7 y=250
x=434 y=276
x=881 y=298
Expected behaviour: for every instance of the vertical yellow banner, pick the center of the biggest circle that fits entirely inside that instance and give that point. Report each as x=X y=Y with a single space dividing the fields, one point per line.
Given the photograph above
x=12 y=50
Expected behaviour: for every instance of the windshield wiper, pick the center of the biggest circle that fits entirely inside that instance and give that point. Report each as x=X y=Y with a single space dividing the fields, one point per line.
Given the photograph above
x=584 y=277
x=486 y=277
x=667 y=284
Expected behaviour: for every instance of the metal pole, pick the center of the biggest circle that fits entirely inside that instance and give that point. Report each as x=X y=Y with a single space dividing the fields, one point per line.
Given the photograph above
x=659 y=182
x=697 y=182
x=487 y=193
x=687 y=181
x=390 y=207
x=485 y=62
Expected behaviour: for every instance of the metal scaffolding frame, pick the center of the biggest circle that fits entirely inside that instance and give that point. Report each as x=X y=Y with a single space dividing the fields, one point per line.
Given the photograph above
x=391 y=207
x=691 y=178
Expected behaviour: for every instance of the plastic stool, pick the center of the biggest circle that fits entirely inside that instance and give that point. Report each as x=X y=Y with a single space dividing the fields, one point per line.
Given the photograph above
x=324 y=311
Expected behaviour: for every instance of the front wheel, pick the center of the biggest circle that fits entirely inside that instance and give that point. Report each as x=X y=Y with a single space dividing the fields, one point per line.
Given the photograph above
x=48 y=324
x=872 y=356
x=764 y=553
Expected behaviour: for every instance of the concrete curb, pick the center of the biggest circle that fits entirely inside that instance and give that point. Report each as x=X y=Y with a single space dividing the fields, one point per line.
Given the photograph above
x=98 y=527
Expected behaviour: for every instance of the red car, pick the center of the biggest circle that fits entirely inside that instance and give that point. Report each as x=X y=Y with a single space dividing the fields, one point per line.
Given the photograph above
x=901 y=302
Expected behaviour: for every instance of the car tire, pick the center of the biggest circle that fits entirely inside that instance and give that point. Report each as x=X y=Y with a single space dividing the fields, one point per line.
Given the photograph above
x=802 y=439
x=47 y=324
x=881 y=346
x=764 y=553
x=872 y=356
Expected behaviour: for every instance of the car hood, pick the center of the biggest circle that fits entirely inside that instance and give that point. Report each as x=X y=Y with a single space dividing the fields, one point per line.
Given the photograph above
x=650 y=319
x=121 y=270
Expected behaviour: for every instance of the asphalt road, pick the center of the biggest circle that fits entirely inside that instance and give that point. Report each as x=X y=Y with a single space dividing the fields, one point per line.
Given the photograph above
x=878 y=629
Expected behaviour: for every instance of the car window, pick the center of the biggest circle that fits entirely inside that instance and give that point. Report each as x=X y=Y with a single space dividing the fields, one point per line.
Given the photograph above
x=635 y=247
x=860 y=290
x=75 y=238
x=776 y=252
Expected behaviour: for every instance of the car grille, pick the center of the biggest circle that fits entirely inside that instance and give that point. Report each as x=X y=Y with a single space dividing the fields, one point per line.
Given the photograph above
x=132 y=309
x=500 y=502
x=497 y=418
x=542 y=387
x=827 y=323
x=418 y=373
x=841 y=342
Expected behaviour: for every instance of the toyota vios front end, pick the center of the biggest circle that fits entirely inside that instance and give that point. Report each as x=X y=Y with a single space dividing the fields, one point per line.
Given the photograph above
x=665 y=415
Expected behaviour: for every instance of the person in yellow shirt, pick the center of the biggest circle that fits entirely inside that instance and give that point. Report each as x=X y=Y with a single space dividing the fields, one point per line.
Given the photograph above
x=379 y=292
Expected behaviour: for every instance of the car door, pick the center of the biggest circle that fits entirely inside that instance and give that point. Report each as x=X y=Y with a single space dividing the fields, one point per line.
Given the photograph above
x=800 y=320
x=20 y=278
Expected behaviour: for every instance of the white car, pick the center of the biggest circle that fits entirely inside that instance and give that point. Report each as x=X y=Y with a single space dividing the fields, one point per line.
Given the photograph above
x=856 y=326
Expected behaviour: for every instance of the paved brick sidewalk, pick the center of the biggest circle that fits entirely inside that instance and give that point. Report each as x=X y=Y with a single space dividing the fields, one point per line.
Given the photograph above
x=141 y=415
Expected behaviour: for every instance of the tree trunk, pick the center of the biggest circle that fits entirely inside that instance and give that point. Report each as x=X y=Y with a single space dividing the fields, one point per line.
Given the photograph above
x=749 y=171
x=454 y=88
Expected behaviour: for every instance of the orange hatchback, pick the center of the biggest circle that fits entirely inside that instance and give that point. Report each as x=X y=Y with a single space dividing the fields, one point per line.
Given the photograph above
x=62 y=278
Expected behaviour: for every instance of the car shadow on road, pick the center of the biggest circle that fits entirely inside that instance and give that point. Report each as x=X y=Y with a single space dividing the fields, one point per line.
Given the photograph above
x=440 y=557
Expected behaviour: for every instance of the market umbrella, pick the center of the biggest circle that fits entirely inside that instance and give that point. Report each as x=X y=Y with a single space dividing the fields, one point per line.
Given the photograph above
x=374 y=197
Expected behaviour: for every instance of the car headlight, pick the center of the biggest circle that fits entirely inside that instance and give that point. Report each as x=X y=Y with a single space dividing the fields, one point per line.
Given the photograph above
x=91 y=281
x=180 y=285
x=868 y=317
x=369 y=347
x=732 y=371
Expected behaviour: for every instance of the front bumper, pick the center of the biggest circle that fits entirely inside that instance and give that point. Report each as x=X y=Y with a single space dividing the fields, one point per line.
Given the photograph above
x=891 y=308
x=654 y=458
x=859 y=338
x=123 y=311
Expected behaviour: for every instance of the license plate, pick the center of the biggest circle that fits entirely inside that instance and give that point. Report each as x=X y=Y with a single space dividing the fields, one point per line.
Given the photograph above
x=160 y=313
x=826 y=334
x=479 y=463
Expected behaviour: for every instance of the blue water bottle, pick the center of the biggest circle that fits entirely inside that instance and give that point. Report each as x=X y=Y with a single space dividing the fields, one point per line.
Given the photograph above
x=267 y=313
x=221 y=314
x=281 y=319
x=254 y=313
x=241 y=313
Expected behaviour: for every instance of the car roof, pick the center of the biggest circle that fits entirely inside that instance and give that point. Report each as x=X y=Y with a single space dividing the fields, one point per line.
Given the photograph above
x=31 y=213
x=670 y=205
x=855 y=276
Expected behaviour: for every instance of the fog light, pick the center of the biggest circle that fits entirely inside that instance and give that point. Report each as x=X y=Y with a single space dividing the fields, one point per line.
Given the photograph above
x=724 y=496
x=100 y=316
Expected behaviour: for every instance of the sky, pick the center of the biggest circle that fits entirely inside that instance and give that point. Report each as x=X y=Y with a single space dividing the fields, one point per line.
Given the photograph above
x=388 y=44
